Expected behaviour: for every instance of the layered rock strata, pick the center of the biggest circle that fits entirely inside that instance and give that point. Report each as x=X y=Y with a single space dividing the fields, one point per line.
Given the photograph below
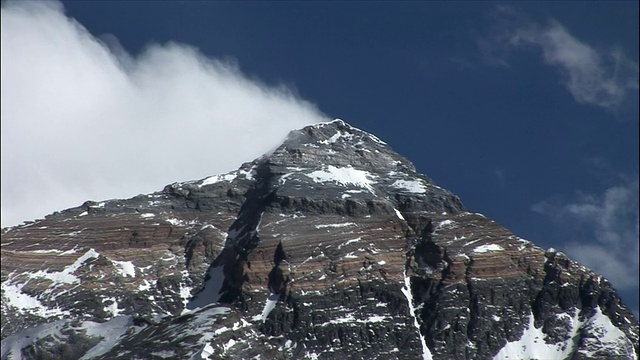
x=331 y=247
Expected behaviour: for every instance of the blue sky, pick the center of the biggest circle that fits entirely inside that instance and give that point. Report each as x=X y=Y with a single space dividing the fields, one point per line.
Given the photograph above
x=528 y=111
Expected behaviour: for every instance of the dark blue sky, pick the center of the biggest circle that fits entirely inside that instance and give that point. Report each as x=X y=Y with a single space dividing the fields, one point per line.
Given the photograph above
x=528 y=111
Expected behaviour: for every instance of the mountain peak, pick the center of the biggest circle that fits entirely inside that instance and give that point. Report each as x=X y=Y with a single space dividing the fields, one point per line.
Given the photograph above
x=332 y=246
x=339 y=143
x=334 y=161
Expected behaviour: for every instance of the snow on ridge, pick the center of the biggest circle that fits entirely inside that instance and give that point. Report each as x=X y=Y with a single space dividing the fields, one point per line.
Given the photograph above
x=341 y=122
x=334 y=121
x=608 y=337
x=376 y=139
x=218 y=178
x=344 y=176
x=532 y=344
x=66 y=275
x=228 y=177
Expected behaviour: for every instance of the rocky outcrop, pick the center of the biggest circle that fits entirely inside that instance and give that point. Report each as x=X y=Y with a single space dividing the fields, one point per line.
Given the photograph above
x=331 y=247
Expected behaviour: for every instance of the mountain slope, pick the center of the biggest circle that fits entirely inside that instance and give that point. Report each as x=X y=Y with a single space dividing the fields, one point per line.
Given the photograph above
x=332 y=246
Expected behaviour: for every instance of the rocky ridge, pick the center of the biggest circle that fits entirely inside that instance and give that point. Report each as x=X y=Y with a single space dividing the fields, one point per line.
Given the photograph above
x=333 y=246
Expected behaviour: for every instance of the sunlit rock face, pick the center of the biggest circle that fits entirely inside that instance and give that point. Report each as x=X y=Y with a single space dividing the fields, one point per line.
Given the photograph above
x=331 y=247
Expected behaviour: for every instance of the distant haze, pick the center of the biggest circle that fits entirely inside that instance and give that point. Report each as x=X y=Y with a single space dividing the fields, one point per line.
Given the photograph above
x=84 y=120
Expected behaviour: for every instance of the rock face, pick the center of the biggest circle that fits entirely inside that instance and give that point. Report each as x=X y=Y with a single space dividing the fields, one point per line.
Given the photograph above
x=331 y=247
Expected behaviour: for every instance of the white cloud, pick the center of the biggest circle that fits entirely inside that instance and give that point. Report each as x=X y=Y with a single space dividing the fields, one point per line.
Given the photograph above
x=82 y=120
x=597 y=77
x=612 y=220
x=601 y=77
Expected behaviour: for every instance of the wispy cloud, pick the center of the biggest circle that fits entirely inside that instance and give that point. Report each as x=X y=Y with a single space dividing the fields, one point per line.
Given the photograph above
x=608 y=241
x=602 y=77
x=82 y=119
x=501 y=176
x=597 y=77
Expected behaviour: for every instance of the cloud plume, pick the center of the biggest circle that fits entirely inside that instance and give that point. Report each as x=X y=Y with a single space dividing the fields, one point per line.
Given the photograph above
x=82 y=119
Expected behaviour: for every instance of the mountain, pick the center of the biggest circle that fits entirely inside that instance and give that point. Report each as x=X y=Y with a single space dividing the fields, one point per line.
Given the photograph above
x=331 y=247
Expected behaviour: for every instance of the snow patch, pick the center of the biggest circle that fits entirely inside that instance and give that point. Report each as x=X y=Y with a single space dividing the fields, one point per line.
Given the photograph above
x=348 y=242
x=412 y=186
x=12 y=346
x=17 y=299
x=207 y=351
x=113 y=307
x=344 y=176
x=69 y=252
x=446 y=224
x=110 y=332
x=125 y=268
x=44 y=251
x=175 y=222
x=376 y=319
x=324 y=226
x=399 y=215
x=331 y=140
x=185 y=289
x=487 y=248
x=270 y=304
x=144 y=287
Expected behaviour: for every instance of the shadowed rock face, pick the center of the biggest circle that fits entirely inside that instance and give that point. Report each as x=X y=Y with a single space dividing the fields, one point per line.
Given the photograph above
x=330 y=247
